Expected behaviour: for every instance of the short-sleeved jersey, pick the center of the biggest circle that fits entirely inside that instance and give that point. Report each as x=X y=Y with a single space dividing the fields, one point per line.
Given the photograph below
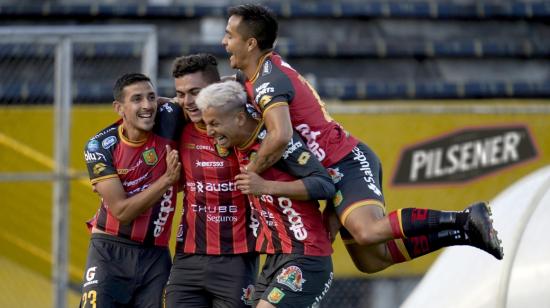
x=215 y=213
x=276 y=82
x=284 y=225
x=110 y=154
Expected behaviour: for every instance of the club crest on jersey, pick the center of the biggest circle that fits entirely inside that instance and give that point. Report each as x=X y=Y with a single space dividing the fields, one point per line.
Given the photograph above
x=275 y=296
x=252 y=156
x=247 y=295
x=150 y=157
x=335 y=174
x=99 y=167
x=223 y=152
x=292 y=278
x=338 y=198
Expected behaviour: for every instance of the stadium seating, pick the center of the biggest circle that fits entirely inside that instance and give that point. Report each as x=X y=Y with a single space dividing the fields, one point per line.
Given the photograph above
x=348 y=49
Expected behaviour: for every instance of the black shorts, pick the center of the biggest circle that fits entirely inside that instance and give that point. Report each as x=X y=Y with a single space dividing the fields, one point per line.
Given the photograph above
x=290 y=280
x=212 y=281
x=358 y=181
x=123 y=273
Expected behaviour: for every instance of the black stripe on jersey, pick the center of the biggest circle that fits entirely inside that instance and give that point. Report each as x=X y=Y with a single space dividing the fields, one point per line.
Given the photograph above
x=102 y=218
x=200 y=216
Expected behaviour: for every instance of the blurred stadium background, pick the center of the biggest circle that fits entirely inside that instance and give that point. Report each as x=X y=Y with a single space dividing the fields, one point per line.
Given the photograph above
x=400 y=75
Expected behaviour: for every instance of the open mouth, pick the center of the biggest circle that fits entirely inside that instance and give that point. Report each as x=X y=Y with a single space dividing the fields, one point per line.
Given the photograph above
x=221 y=140
x=145 y=115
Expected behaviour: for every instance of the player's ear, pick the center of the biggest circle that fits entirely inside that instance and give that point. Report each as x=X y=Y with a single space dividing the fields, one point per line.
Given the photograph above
x=252 y=43
x=241 y=117
x=117 y=106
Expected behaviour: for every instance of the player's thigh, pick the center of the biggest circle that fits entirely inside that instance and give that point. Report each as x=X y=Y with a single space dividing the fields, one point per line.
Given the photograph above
x=154 y=268
x=231 y=280
x=298 y=281
x=186 y=284
x=109 y=275
x=358 y=181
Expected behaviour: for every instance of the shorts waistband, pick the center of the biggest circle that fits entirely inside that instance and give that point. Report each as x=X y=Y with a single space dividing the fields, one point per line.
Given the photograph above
x=117 y=239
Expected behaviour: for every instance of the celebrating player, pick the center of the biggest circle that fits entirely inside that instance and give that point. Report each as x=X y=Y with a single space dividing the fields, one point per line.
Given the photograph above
x=215 y=264
x=134 y=169
x=286 y=217
x=286 y=100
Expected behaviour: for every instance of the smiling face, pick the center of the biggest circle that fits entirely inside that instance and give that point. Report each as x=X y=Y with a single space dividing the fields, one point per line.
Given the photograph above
x=236 y=44
x=188 y=87
x=137 y=109
x=226 y=127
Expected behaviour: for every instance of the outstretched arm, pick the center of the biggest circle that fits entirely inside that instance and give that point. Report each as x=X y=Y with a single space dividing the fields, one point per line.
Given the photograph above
x=126 y=209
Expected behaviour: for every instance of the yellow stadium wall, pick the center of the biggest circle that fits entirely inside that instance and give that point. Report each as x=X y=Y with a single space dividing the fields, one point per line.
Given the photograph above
x=26 y=145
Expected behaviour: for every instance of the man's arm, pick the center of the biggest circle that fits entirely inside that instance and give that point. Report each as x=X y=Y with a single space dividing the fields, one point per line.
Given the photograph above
x=251 y=183
x=313 y=187
x=279 y=128
x=127 y=209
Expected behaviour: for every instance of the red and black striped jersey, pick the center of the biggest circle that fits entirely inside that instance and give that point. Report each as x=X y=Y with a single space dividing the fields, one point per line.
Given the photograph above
x=110 y=154
x=215 y=214
x=284 y=225
x=276 y=82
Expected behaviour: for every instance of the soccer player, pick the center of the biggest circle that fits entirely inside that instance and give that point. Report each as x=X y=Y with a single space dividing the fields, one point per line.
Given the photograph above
x=215 y=263
x=286 y=217
x=286 y=100
x=134 y=169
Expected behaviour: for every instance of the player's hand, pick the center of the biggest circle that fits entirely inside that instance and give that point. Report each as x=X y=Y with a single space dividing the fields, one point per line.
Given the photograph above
x=249 y=182
x=173 y=165
x=163 y=100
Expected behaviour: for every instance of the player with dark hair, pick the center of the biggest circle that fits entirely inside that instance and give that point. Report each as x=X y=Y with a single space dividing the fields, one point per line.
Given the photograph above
x=215 y=263
x=285 y=101
x=134 y=169
x=286 y=217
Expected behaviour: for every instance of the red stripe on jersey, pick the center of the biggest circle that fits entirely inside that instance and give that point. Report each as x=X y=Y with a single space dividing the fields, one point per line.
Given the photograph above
x=215 y=220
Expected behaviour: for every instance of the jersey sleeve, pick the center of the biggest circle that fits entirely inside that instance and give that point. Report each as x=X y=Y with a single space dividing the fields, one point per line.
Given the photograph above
x=99 y=158
x=169 y=121
x=272 y=88
x=299 y=162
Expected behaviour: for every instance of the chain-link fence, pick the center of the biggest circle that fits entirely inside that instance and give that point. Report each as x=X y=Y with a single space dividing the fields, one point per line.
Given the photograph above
x=45 y=70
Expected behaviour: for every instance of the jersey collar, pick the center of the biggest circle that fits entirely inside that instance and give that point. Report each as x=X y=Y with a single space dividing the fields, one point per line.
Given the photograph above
x=129 y=142
x=248 y=143
x=260 y=62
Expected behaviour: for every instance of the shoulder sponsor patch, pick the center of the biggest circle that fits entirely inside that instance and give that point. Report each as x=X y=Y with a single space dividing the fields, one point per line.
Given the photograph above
x=266 y=69
x=93 y=146
x=275 y=296
x=98 y=168
x=304 y=158
x=291 y=277
x=108 y=142
x=150 y=157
